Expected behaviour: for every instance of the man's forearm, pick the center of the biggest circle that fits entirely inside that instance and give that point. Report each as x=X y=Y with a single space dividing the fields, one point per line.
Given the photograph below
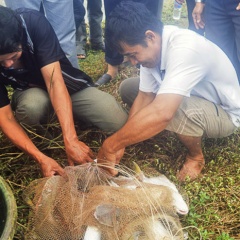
x=146 y=123
x=143 y=125
x=18 y=137
x=142 y=100
x=63 y=110
x=60 y=100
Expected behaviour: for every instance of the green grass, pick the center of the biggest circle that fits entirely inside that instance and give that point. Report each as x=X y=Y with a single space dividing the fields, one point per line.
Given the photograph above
x=214 y=199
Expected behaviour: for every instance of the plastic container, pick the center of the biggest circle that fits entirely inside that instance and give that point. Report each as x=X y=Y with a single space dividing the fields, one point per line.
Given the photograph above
x=177 y=9
x=8 y=211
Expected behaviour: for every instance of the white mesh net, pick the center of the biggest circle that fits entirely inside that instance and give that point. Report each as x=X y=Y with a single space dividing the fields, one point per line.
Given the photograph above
x=88 y=204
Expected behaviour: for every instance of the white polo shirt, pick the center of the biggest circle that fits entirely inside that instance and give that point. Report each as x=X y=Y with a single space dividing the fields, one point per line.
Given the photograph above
x=194 y=66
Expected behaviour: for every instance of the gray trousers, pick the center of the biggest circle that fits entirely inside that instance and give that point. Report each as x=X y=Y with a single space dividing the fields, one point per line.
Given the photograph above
x=91 y=107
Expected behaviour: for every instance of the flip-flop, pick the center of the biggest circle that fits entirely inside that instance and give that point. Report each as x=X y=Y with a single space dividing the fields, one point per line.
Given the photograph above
x=104 y=79
x=81 y=56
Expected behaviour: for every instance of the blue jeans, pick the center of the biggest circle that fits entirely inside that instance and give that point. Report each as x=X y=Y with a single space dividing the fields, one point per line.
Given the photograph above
x=60 y=14
x=91 y=107
x=223 y=28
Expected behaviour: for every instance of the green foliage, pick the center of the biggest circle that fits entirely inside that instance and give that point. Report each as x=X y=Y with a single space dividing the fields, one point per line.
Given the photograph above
x=94 y=65
x=224 y=236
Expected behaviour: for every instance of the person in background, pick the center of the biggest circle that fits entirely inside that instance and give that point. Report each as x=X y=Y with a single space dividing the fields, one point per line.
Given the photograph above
x=79 y=12
x=114 y=59
x=81 y=34
x=61 y=17
x=190 y=7
x=95 y=16
x=187 y=86
x=45 y=83
x=222 y=26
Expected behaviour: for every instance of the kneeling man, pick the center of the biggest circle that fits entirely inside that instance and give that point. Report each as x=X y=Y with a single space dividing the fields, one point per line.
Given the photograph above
x=187 y=85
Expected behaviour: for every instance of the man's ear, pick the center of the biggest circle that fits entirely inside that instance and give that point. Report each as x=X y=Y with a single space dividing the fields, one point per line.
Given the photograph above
x=150 y=35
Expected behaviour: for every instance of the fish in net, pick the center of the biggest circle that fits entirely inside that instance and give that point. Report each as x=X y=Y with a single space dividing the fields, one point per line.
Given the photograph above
x=89 y=204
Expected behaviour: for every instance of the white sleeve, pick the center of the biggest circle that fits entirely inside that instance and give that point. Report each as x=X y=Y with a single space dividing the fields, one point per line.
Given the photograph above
x=148 y=82
x=185 y=68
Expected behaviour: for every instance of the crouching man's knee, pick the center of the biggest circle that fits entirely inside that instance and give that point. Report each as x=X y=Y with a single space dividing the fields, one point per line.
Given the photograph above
x=198 y=117
x=31 y=106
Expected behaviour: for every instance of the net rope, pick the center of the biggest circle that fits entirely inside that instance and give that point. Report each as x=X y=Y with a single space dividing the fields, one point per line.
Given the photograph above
x=89 y=204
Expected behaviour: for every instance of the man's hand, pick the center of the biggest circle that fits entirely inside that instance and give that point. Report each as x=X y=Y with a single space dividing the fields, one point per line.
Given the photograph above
x=197 y=15
x=238 y=7
x=109 y=159
x=19 y=138
x=78 y=153
x=50 y=167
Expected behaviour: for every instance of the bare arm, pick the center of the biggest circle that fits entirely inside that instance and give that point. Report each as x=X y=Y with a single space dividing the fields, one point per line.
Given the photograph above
x=146 y=123
x=17 y=135
x=197 y=14
x=76 y=150
x=142 y=100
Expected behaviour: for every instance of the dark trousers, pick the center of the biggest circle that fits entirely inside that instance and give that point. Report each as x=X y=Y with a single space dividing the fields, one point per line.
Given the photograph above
x=223 y=28
x=79 y=12
x=95 y=16
x=155 y=6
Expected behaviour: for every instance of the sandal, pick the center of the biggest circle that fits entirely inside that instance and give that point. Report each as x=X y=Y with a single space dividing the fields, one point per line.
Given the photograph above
x=104 y=79
x=81 y=56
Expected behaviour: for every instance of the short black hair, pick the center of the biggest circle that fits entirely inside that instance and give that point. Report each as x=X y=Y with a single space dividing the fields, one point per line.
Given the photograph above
x=128 y=23
x=11 y=31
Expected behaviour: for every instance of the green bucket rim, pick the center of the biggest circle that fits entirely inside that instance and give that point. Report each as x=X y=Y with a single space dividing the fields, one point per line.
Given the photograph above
x=11 y=206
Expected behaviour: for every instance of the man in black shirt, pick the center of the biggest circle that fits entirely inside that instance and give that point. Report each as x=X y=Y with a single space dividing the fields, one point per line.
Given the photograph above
x=44 y=81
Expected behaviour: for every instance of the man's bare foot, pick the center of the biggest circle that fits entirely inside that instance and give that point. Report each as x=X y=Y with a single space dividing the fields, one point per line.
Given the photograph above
x=191 y=168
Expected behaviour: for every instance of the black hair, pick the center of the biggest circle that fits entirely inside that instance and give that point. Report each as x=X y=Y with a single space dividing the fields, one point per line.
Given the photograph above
x=11 y=31
x=128 y=23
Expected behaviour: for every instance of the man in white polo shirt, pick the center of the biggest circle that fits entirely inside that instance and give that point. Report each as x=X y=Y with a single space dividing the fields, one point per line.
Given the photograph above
x=187 y=86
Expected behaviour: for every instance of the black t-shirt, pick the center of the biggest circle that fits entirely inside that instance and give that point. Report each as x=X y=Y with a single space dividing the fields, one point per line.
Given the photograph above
x=40 y=48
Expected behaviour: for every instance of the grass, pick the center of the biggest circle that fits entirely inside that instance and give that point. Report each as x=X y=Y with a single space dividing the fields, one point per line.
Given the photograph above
x=214 y=199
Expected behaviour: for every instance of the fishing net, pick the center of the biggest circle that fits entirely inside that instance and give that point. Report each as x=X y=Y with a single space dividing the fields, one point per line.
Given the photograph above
x=89 y=204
